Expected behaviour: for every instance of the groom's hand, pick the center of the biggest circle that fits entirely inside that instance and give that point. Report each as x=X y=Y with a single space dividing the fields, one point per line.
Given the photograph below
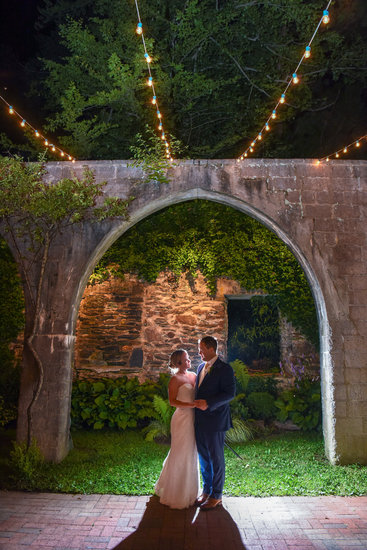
x=201 y=404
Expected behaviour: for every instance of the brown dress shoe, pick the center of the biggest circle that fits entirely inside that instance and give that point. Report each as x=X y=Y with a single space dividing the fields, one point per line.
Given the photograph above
x=211 y=503
x=201 y=499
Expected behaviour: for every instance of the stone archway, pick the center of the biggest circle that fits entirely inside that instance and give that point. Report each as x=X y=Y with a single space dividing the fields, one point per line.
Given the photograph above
x=317 y=211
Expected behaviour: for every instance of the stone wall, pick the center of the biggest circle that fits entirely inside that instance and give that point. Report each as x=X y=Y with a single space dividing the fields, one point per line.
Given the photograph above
x=128 y=327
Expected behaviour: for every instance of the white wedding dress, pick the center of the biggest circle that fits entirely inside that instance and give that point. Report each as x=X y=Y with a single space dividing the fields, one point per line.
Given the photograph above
x=178 y=484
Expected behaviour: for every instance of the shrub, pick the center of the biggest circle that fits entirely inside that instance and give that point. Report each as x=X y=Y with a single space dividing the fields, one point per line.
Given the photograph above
x=105 y=403
x=301 y=404
x=263 y=384
x=261 y=406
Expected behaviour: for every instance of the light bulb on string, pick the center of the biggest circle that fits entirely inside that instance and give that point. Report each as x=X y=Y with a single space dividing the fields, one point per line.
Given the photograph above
x=139 y=28
x=62 y=154
x=163 y=136
x=327 y=159
x=46 y=142
x=36 y=133
x=358 y=144
x=251 y=150
x=150 y=81
x=160 y=127
x=337 y=155
x=325 y=17
x=11 y=110
x=282 y=98
x=267 y=127
x=259 y=137
x=148 y=59
x=69 y=157
x=53 y=148
x=274 y=114
x=295 y=78
x=23 y=123
x=154 y=100
x=252 y=144
x=307 y=52
x=159 y=114
x=345 y=150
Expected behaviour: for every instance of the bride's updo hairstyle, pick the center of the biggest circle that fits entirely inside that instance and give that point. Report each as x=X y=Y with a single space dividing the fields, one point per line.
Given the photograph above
x=175 y=360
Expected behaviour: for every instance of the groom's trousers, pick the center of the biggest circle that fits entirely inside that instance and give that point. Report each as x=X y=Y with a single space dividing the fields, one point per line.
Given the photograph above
x=211 y=458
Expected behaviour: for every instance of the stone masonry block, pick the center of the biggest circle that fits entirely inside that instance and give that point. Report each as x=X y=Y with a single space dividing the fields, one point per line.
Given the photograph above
x=356 y=392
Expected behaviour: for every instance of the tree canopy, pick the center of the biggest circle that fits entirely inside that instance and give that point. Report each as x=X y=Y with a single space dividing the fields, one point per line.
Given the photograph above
x=219 y=66
x=220 y=242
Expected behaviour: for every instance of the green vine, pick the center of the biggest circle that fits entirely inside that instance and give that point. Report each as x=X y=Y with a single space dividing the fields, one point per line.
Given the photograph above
x=220 y=242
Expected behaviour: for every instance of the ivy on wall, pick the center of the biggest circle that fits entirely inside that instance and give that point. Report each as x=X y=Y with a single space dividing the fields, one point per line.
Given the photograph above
x=220 y=242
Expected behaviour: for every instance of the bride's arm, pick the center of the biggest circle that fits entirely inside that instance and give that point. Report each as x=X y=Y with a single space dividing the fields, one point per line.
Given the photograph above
x=173 y=387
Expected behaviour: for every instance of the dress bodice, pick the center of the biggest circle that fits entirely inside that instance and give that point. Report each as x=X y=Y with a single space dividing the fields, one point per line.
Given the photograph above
x=186 y=393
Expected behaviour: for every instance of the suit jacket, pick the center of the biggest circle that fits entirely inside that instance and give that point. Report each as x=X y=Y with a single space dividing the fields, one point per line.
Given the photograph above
x=217 y=388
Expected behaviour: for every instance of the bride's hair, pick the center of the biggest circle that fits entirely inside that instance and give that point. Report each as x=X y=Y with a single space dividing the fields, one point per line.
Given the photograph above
x=175 y=360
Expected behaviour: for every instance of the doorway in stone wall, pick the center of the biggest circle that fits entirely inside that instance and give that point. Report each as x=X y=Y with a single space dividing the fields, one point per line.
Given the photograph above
x=254 y=331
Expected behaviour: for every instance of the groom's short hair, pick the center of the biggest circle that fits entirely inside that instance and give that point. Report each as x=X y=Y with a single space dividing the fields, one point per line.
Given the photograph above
x=210 y=342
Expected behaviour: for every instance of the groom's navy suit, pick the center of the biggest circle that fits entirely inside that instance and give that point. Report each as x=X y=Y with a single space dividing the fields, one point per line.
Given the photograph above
x=217 y=388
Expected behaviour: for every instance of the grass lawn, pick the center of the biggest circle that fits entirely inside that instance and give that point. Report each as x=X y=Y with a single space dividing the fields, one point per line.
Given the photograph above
x=124 y=463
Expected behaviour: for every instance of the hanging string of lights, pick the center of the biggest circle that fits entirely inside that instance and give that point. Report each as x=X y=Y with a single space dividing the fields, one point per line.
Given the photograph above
x=356 y=143
x=25 y=124
x=150 y=83
x=294 y=80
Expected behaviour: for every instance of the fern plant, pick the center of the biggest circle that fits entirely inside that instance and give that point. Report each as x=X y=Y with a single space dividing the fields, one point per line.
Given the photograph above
x=241 y=375
x=160 y=428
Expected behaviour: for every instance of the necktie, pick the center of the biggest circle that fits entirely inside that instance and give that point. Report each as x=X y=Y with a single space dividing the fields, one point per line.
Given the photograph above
x=203 y=373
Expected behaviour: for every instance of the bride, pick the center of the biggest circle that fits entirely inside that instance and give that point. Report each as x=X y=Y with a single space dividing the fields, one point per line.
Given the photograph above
x=178 y=483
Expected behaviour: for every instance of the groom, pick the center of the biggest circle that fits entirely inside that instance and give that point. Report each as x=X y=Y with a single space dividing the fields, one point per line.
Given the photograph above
x=215 y=387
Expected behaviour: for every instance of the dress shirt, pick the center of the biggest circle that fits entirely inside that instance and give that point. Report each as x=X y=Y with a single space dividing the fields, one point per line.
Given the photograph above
x=206 y=368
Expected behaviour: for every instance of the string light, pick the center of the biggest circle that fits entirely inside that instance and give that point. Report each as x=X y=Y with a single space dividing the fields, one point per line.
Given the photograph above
x=325 y=17
x=294 y=79
x=24 y=124
x=344 y=149
x=154 y=100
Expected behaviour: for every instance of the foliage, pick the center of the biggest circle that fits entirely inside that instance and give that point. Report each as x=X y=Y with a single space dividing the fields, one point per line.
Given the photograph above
x=11 y=303
x=261 y=405
x=240 y=433
x=105 y=403
x=8 y=412
x=115 y=462
x=11 y=324
x=221 y=67
x=241 y=374
x=257 y=335
x=27 y=462
x=194 y=235
x=302 y=404
x=149 y=152
x=159 y=429
x=267 y=384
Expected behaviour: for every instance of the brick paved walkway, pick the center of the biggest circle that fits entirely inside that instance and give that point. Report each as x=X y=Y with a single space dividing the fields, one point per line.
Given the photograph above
x=79 y=522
